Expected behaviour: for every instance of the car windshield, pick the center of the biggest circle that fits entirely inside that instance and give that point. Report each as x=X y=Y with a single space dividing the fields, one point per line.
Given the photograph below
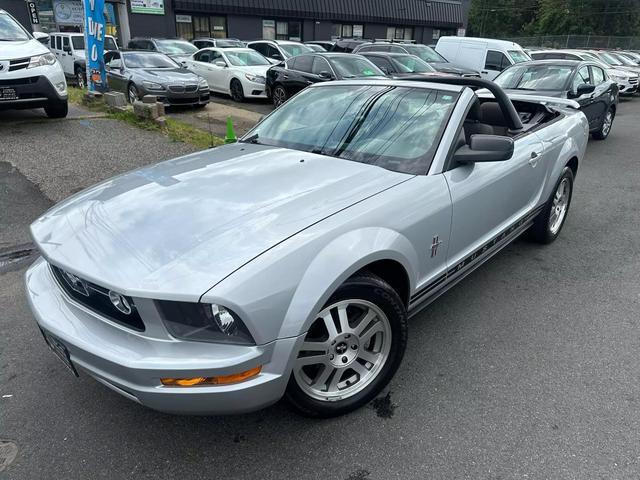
x=519 y=56
x=609 y=59
x=148 y=60
x=411 y=64
x=397 y=128
x=176 y=47
x=293 y=49
x=623 y=60
x=10 y=30
x=351 y=66
x=427 y=54
x=535 y=77
x=249 y=58
x=78 y=43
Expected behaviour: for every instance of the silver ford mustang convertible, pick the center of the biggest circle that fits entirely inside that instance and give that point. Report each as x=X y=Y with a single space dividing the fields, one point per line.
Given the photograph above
x=288 y=264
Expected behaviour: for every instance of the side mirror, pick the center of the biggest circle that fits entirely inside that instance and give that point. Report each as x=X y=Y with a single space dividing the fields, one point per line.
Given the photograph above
x=584 y=89
x=325 y=75
x=485 y=148
x=220 y=63
x=183 y=64
x=276 y=56
x=41 y=37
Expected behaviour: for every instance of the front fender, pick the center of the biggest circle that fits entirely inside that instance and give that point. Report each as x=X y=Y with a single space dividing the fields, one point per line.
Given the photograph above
x=336 y=262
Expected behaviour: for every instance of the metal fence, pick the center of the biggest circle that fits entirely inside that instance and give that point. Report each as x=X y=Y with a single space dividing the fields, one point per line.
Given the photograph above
x=579 y=41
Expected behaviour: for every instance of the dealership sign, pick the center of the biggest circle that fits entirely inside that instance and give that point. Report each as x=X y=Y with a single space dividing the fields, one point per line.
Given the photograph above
x=94 y=28
x=155 y=7
x=68 y=12
x=33 y=13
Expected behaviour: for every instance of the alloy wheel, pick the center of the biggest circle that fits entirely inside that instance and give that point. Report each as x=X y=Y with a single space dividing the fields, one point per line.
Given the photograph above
x=133 y=93
x=236 y=91
x=606 y=125
x=344 y=350
x=279 y=96
x=80 y=79
x=559 y=206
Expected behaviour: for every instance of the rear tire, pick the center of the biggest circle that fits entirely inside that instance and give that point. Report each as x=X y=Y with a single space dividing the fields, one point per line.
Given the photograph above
x=81 y=78
x=57 y=109
x=548 y=224
x=132 y=93
x=351 y=351
x=605 y=128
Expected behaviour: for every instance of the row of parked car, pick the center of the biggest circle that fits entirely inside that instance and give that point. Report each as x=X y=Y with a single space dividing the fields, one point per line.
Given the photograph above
x=184 y=73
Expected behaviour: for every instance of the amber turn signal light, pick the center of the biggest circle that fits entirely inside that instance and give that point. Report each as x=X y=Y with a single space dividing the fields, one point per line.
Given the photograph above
x=222 y=380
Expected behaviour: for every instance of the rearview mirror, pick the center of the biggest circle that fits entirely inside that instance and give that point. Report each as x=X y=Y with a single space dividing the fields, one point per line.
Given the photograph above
x=220 y=63
x=41 y=37
x=584 y=89
x=485 y=148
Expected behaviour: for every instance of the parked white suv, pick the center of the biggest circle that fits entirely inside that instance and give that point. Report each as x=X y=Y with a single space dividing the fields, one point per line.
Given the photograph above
x=30 y=75
x=69 y=50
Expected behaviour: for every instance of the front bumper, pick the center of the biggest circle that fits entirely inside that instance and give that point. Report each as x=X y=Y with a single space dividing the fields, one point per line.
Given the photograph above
x=33 y=89
x=132 y=363
x=628 y=88
x=170 y=99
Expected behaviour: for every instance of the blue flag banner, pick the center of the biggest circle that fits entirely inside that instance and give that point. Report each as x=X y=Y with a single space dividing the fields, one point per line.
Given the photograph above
x=94 y=24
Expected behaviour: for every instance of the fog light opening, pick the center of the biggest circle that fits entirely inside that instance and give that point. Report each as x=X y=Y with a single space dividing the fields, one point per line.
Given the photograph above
x=221 y=380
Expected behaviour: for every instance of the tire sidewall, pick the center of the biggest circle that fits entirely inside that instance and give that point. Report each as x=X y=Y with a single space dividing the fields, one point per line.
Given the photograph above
x=276 y=88
x=550 y=236
x=600 y=135
x=237 y=98
x=373 y=290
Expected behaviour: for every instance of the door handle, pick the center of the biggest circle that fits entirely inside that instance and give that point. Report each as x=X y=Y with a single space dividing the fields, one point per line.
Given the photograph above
x=533 y=161
x=285 y=77
x=484 y=72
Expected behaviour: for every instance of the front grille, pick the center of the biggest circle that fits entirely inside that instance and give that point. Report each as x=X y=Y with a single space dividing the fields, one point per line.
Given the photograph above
x=633 y=80
x=176 y=88
x=19 y=81
x=96 y=299
x=471 y=75
x=191 y=88
x=18 y=64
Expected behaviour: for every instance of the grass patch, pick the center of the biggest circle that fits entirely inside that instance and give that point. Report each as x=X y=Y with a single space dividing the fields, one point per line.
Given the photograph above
x=174 y=129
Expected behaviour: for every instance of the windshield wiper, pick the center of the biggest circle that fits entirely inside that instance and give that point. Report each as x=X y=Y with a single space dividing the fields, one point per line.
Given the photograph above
x=252 y=139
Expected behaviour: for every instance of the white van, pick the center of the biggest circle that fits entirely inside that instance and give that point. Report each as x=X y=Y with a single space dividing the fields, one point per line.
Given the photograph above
x=485 y=55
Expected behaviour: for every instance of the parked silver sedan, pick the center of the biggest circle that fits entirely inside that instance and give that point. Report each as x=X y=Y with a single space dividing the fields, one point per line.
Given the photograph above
x=289 y=263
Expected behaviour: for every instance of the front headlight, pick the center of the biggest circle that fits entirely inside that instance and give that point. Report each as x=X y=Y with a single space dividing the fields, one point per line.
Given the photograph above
x=152 y=85
x=203 y=83
x=42 y=60
x=255 y=78
x=204 y=322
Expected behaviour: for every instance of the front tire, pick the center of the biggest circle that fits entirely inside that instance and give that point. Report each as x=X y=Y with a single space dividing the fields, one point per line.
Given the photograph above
x=57 y=109
x=132 y=93
x=279 y=95
x=605 y=128
x=352 y=349
x=237 y=92
x=548 y=224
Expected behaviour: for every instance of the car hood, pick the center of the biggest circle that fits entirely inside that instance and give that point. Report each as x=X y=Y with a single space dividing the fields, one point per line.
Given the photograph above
x=253 y=69
x=175 y=229
x=168 y=75
x=22 y=49
x=446 y=67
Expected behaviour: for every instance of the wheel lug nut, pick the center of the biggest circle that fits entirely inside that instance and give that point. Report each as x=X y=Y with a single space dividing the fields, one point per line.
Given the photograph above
x=331 y=357
x=347 y=336
x=345 y=359
x=354 y=347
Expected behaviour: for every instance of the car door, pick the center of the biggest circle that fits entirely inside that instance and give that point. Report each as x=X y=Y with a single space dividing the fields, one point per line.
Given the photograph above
x=602 y=96
x=116 y=79
x=321 y=71
x=201 y=64
x=489 y=198
x=299 y=75
x=66 y=57
x=495 y=62
x=587 y=101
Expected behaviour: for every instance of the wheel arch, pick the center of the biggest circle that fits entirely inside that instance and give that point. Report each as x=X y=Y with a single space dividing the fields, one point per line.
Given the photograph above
x=381 y=251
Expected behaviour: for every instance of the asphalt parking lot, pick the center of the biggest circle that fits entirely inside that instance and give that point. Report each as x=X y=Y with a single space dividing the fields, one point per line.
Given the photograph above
x=527 y=369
